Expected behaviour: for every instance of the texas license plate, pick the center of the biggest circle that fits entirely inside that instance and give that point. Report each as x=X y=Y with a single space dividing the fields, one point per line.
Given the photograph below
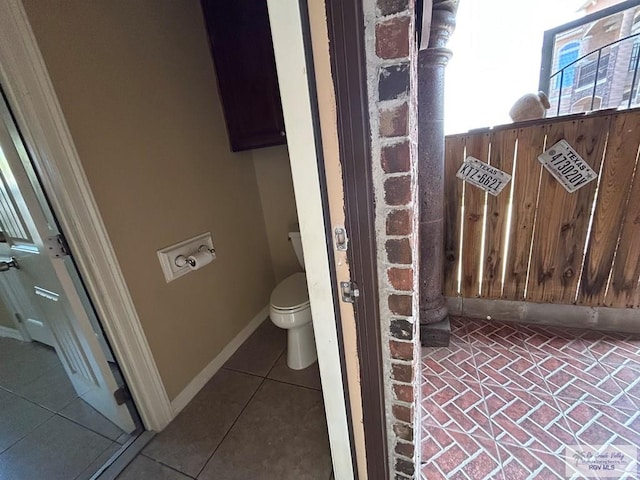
x=483 y=175
x=567 y=166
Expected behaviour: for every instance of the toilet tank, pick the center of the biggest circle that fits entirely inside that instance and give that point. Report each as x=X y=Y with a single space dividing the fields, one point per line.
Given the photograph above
x=296 y=241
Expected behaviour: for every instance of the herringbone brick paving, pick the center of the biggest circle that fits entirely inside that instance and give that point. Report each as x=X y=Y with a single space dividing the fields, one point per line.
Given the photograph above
x=503 y=400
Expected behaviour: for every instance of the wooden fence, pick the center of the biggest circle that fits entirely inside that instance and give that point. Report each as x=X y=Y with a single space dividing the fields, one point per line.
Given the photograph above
x=535 y=241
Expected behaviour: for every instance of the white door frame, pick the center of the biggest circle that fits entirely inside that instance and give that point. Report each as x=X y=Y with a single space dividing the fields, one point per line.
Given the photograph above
x=30 y=93
x=293 y=78
x=32 y=99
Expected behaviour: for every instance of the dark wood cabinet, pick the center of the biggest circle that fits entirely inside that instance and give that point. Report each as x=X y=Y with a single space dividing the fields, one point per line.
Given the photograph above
x=242 y=49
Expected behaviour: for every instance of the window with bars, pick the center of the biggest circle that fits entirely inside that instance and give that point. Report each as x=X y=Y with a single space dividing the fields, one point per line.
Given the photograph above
x=587 y=75
x=634 y=55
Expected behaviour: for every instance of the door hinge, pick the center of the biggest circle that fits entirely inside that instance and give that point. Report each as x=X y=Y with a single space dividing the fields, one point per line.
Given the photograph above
x=122 y=395
x=349 y=292
x=57 y=246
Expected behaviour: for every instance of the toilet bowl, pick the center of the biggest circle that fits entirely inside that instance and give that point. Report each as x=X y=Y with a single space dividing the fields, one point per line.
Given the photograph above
x=290 y=309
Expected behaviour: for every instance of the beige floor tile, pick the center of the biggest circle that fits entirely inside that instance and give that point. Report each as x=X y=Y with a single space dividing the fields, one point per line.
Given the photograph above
x=143 y=468
x=18 y=417
x=261 y=350
x=57 y=450
x=188 y=442
x=94 y=466
x=281 y=435
x=52 y=390
x=309 y=377
x=81 y=412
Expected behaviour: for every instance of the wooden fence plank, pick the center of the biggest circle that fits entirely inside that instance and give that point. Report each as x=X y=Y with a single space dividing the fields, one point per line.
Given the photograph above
x=562 y=218
x=526 y=182
x=503 y=146
x=454 y=156
x=616 y=178
x=477 y=146
x=623 y=291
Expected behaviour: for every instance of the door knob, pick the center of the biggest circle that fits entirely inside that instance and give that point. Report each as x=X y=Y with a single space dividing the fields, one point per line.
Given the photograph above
x=13 y=263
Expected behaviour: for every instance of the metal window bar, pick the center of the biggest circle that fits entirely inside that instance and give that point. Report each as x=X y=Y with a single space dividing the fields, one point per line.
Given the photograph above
x=560 y=92
x=634 y=54
x=595 y=80
x=633 y=81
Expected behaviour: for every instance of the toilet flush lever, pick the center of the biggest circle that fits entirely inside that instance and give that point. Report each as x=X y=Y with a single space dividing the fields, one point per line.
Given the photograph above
x=349 y=292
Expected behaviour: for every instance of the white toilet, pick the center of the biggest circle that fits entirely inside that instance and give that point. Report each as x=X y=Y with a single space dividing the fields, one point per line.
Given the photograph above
x=290 y=309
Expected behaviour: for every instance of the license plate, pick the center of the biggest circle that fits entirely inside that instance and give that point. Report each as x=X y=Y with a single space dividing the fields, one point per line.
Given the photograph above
x=567 y=166
x=483 y=176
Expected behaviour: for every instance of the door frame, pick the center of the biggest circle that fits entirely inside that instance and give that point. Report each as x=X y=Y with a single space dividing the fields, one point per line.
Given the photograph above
x=31 y=96
x=348 y=63
x=33 y=101
x=291 y=37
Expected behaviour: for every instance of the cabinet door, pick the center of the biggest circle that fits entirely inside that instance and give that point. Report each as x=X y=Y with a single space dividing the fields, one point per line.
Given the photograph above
x=240 y=38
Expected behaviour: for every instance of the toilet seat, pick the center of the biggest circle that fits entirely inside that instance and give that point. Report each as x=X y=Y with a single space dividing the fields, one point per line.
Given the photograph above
x=297 y=309
x=291 y=295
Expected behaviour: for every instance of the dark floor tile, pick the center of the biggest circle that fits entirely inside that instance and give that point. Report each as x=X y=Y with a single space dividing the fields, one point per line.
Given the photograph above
x=143 y=468
x=81 y=412
x=309 y=377
x=57 y=450
x=190 y=439
x=260 y=352
x=455 y=404
x=450 y=455
x=18 y=417
x=281 y=435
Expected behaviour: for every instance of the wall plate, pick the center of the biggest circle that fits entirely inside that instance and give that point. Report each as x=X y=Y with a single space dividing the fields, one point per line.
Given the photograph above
x=167 y=255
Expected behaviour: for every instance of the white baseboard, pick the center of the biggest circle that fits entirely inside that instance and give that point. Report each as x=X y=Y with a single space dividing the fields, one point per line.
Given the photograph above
x=10 y=333
x=200 y=380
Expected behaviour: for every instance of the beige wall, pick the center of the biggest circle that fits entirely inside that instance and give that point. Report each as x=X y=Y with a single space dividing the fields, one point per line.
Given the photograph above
x=138 y=90
x=275 y=184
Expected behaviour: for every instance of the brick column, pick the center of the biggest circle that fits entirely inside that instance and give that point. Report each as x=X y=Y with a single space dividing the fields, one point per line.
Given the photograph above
x=391 y=54
x=432 y=60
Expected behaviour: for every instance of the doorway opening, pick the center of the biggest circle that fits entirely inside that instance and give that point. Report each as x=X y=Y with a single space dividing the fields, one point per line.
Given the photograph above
x=221 y=303
x=66 y=408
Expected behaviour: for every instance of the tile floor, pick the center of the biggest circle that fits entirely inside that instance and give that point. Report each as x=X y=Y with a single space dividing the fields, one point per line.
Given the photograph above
x=503 y=400
x=255 y=419
x=46 y=431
